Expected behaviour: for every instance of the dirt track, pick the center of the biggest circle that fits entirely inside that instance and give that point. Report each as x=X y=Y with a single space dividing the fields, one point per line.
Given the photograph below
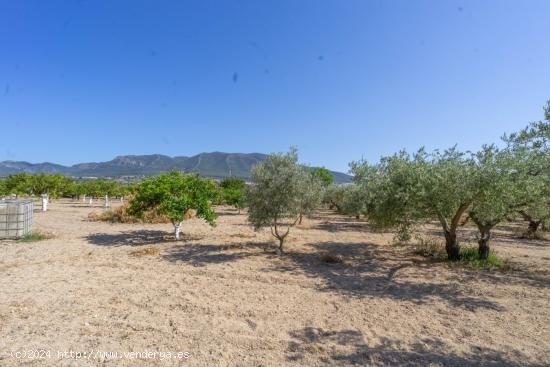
x=224 y=297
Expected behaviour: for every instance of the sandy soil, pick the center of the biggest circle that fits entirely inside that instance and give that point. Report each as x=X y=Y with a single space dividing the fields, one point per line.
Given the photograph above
x=224 y=297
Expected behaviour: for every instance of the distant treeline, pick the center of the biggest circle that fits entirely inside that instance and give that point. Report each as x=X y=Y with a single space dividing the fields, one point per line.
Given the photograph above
x=57 y=185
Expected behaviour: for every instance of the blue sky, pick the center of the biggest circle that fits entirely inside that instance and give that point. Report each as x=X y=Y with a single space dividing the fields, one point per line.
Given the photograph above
x=88 y=80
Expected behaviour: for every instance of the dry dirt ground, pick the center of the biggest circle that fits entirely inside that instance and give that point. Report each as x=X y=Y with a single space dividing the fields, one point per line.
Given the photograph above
x=224 y=297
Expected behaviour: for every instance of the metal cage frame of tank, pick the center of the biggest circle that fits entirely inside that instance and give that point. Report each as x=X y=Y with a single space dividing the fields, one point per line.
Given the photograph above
x=15 y=218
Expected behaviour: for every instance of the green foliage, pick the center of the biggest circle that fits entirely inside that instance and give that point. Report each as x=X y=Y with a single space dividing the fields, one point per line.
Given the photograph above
x=333 y=197
x=35 y=236
x=35 y=185
x=232 y=192
x=531 y=147
x=402 y=190
x=232 y=183
x=99 y=188
x=353 y=200
x=469 y=256
x=274 y=198
x=3 y=188
x=310 y=193
x=172 y=195
x=323 y=175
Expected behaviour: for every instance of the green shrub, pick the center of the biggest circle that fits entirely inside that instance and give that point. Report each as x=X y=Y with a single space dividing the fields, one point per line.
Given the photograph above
x=35 y=236
x=470 y=256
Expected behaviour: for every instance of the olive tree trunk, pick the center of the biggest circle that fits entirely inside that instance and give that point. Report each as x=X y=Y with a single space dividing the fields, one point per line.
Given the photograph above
x=483 y=242
x=449 y=229
x=275 y=231
x=533 y=224
x=451 y=245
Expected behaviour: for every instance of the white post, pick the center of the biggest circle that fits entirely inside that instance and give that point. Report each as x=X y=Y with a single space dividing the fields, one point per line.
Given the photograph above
x=122 y=199
x=84 y=198
x=44 y=203
x=177 y=228
x=106 y=201
x=91 y=200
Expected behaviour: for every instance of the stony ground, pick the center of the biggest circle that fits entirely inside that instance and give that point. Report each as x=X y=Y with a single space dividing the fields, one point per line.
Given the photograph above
x=98 y=292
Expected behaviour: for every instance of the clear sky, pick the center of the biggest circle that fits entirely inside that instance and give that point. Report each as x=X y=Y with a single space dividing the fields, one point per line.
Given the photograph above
x=88 y=80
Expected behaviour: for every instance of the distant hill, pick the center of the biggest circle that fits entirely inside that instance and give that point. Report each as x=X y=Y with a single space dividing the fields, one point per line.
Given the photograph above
x=216 y=164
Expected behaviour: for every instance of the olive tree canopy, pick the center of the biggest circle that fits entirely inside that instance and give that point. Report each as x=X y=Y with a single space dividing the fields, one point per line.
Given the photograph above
x=274 y=197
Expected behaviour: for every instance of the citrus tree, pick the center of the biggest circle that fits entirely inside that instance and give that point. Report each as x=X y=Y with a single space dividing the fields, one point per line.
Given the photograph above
x=323 y=175
x=3 y=188
x=273 y=198
x=54 y=185
x=19 y=184
x=232 y=192
x=172 y=195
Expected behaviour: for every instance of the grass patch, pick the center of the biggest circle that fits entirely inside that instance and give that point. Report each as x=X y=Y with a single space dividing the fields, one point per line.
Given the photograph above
x=435 y=249
x=35 y=236
x=430 y=247
x=470 y=256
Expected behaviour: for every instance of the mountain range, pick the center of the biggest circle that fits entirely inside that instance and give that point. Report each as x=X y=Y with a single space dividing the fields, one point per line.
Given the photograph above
x=216 y=164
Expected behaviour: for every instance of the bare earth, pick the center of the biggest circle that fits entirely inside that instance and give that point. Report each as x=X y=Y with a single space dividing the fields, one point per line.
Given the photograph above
x=223 y=296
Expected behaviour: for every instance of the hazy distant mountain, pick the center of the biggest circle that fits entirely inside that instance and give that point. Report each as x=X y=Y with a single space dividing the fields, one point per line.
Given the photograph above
x=216 y=164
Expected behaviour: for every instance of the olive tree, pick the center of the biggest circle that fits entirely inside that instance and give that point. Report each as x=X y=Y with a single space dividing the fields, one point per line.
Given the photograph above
x=333 y=197
x=310 y=193
x=274 y=197
x=353 y=200
x=403 y=190
x=391 y=194
x=533 y=145
x=504 y=192
x=173 y=194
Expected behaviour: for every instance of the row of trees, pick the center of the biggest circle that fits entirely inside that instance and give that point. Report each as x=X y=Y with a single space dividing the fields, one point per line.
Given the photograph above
x=57 y=185
x=281 y=194
x=488 y=187
x=400 y=192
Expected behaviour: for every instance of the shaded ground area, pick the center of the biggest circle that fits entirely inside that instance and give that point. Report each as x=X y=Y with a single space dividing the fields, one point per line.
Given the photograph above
x=223 y=295
x=348 y=347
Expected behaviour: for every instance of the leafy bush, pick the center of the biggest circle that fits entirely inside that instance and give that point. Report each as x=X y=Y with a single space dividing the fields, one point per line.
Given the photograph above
x=470 y=256
x=173 y=195
x=35 y=236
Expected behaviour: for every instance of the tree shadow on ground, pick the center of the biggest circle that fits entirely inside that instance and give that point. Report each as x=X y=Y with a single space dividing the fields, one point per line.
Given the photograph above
x=339 y=226
x=348 y=348
x=201 y=254
x=367 y=271
x=135 y=238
